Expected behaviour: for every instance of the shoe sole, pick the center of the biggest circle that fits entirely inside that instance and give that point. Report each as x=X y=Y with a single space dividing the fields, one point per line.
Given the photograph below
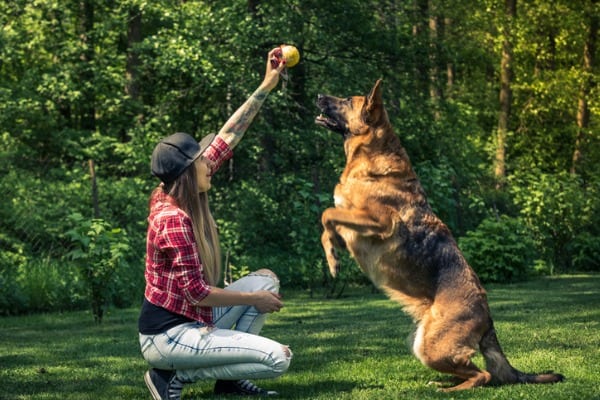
x=151 y=387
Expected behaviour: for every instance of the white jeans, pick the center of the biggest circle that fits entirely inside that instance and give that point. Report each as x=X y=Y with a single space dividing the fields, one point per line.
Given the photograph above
x=231 y=350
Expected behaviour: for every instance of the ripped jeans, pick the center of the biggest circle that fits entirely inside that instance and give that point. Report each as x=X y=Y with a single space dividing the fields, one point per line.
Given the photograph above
x=231 y=350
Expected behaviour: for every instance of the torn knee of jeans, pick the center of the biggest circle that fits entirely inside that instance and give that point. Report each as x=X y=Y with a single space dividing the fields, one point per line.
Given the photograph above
x=282 y=361
x=266 y=272
x=288 y=353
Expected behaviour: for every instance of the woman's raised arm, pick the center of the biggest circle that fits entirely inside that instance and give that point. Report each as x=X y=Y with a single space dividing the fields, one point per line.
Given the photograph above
x=235 y=127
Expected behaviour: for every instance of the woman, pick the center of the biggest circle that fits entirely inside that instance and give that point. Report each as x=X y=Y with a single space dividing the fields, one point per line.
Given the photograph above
x=189 y=328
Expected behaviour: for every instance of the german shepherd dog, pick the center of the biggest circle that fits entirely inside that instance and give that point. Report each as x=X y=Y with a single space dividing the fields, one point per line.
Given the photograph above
x=382 y=217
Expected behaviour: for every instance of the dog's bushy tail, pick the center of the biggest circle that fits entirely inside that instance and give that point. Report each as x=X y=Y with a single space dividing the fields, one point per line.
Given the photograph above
x=502 y=372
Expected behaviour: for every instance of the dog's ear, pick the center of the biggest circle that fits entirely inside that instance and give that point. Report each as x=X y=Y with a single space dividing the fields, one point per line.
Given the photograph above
x=373 y=102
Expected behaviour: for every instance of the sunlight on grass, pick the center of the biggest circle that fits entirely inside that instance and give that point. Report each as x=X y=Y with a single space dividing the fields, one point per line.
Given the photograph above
x=349 y=348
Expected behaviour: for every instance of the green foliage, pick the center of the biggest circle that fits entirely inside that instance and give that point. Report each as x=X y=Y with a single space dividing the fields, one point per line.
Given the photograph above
x=562 y=212
x=442 y=194
x=12 y=257
x=32 y=243
x=500 y=250
x=305 y=207
x=294 y=215
x=73 y=89
x=99 y=252
x=49 y=286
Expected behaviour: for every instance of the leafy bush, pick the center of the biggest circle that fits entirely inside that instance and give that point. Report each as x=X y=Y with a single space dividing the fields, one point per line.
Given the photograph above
x=441 y=194
x=37 y=284
x=49 y=285
x=585 y=251
x=500 y=250
x=99 y=253
x=12 y=298
x=562 y=213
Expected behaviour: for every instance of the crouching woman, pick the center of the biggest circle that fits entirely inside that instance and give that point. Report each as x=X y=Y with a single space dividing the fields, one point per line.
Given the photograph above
x=189 y=328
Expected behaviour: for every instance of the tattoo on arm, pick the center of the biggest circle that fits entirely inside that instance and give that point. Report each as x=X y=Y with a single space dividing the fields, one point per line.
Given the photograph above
x=260 y=95
x=234 y=129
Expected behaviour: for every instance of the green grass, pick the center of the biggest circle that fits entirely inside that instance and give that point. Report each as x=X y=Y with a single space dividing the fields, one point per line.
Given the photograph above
x=350 y=348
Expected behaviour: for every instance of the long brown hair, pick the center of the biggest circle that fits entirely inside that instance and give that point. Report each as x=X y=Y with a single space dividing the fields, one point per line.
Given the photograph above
x=185 y=192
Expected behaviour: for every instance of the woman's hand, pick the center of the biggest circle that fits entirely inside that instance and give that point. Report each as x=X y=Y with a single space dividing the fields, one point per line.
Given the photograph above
x=272 y=73
x=267 y=302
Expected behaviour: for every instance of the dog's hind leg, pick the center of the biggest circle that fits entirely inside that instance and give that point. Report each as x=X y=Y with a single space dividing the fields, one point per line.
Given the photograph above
x=459 y=365
x=476 y=377
x=444 y=351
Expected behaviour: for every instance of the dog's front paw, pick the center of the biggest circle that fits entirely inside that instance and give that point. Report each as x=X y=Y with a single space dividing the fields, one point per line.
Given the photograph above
x=329 y=241
x=333 y=262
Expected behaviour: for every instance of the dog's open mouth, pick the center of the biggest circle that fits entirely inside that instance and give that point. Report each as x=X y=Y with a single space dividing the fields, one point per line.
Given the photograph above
x=326 y=122
x=330 y=122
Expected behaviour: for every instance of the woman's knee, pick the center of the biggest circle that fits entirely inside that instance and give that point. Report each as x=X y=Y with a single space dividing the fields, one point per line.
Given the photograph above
x=267 y=273
x=282 y=360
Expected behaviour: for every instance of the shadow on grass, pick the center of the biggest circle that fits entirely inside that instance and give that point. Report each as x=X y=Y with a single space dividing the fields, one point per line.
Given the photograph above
x=290 y=390
x=349 y=348
x=532 y=318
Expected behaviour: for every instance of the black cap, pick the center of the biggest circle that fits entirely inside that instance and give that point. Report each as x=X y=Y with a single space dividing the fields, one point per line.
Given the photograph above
x=175 y=153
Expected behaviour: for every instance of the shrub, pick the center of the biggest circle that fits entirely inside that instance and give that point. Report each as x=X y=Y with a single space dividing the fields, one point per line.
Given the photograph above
x=99 y=252
x=500 y=250
x=12 y=298
x=50 y=285
x=585 y=250
x=561 y=211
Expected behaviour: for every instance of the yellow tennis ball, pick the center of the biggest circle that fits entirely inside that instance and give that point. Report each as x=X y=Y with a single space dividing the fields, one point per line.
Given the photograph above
x=290 y=54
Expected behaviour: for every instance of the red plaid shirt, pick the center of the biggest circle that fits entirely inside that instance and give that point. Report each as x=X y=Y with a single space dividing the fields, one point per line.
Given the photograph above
x=174 y=275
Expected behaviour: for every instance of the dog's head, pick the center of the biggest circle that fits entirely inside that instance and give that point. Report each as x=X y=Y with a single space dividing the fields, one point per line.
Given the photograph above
x=352 y=116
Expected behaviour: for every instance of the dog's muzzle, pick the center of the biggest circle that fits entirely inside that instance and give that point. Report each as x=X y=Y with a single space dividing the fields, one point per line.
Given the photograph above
x=325 y=118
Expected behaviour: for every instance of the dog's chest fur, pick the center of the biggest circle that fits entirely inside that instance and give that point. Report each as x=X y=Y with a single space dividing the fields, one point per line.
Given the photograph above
x=386 y=188
x=369 y=251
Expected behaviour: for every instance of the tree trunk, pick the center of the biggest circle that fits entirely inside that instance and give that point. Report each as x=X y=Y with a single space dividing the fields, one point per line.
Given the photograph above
x=87 y=114
x=436 y=32
x=420 y=33
x=95 y=202
x=449 y=64
x=583 y=112
x=252 y=6
x=134 y=36
x=505 y=93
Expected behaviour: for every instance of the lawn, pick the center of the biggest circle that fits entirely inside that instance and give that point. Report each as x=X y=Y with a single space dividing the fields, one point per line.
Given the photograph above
x=348 y=348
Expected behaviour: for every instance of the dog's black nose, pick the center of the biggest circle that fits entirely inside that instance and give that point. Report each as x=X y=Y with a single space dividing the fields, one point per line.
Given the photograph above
x=319 y=96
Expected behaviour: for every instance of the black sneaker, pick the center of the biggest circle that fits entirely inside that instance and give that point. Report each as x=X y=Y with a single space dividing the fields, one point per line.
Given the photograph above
x=163 y=384
x=241 y=388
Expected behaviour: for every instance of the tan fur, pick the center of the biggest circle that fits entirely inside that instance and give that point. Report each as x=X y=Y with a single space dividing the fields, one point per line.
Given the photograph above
x=382 y=217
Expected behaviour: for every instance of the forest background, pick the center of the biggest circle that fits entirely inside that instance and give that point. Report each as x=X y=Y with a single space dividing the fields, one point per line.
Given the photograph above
x=495 y=101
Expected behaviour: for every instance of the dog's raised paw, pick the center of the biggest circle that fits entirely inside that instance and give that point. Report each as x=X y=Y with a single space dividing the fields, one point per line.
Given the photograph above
x=332 y=261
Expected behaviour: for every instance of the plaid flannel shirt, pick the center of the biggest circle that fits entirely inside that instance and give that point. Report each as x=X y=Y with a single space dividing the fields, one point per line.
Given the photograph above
x=174 y=275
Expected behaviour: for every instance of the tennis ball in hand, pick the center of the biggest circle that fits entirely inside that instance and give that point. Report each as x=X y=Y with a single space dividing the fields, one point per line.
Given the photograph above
x=290 y=54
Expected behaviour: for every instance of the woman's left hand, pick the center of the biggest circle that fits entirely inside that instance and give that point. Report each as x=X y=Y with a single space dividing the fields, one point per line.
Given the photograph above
x=267 y=302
